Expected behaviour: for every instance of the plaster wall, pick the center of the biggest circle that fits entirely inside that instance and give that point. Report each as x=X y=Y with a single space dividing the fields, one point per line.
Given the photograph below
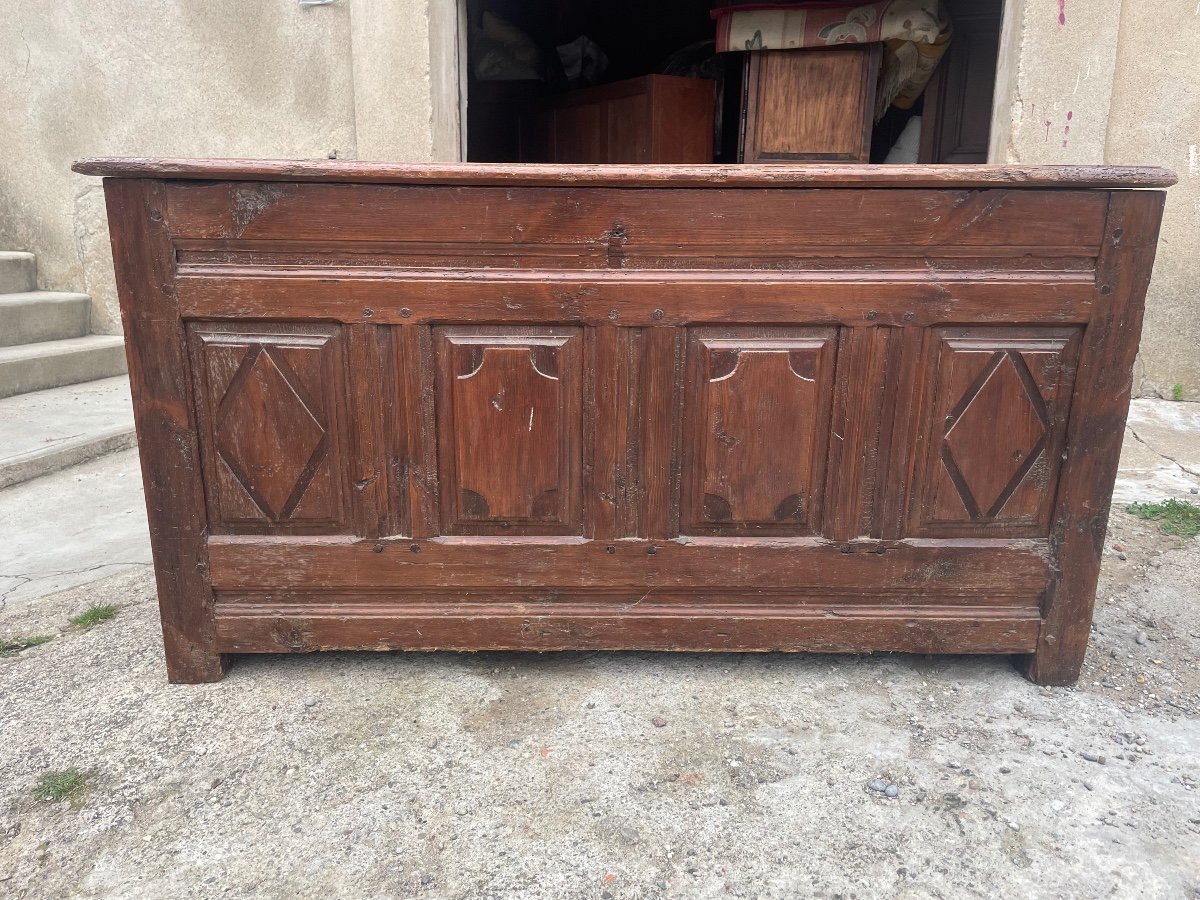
x=1118 y=82
x=225 y=78
x=1080 y=81
x=1155 y=117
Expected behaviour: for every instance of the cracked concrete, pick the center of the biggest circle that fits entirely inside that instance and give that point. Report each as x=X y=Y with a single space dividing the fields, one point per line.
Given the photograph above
x=1161 y=456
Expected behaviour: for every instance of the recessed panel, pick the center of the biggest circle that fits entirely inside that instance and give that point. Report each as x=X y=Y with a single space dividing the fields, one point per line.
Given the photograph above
x=756 y=429
x=996 y=431
x=271 y=438
x=509 y=413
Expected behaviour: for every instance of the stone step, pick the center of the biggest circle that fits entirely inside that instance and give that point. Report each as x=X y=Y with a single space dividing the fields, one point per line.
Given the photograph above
x=32 y=316
x=18 y=272
x=50 y=430
x=49 y=364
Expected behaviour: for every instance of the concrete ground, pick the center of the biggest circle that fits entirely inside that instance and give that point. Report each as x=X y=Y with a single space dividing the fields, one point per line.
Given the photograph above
x=46 y=431
x=620 y=775
x=72 y=527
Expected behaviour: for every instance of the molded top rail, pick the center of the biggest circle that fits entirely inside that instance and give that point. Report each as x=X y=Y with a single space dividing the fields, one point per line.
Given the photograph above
x=636 y=176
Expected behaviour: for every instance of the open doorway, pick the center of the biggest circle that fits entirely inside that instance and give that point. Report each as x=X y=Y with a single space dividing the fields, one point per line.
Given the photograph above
x=617 y=81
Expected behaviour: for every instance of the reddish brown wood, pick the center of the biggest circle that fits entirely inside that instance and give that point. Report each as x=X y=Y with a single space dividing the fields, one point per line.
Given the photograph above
x=509 y=414
x=1099 y=407
x=309 y=626
x=619 y=223
x=789 y=568
x=277 y=456
x=164 y=388
x=520 y=413
x=757 y=429
x=652 y=119
x=995 y=430
x=809 y=104
x=355 y=172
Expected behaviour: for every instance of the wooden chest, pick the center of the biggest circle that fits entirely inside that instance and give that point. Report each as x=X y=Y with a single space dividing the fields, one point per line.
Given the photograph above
x=823 y=408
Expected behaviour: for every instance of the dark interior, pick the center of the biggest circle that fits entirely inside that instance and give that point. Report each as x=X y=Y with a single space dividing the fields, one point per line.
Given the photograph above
x=676 y=37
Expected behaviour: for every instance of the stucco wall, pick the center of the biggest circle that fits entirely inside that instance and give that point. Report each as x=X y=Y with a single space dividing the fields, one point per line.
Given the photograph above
x=1080 y=81
x=1155 y=117
x=254 y=78
x=1117 y=81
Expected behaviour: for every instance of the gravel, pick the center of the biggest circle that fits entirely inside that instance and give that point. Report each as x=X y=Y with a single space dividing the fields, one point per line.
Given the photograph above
x=526 y=775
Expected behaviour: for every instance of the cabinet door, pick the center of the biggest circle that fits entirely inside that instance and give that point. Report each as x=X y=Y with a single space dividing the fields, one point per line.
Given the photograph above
x=756 y=429
x=509 y=427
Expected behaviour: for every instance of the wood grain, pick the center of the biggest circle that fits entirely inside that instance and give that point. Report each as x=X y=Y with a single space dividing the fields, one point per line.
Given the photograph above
x=810 y=105
x=566 y=563
x=540 y=408
x=1101 y=403
x=715 y=176
x=653 y=119
x=829 y=630
x=160 y=378
x=624 y=221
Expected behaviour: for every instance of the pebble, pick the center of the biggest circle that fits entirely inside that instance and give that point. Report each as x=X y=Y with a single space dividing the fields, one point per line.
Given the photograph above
x=891 y=791
x=1093 y=757
x=954 y=764
x=878 y=785
x=1120 y=548
x=310 y=702
x=1122 y=556
x=1142 y=637
x=659 y=721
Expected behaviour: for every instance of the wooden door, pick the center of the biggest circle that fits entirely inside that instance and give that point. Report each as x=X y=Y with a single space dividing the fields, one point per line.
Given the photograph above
x=956 y=119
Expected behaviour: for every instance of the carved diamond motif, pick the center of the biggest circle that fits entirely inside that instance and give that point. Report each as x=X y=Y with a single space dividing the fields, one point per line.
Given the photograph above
x=997 y=434
x=267 y=435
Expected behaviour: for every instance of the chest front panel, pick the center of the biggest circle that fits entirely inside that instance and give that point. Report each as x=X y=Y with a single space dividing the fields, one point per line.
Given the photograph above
x=467 y=400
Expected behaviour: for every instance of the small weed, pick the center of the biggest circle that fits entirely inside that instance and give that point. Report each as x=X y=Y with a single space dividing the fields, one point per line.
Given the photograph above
x=1177 y=392
x=94 y=615
x=56 y=786
x=14 y=645
x=1178 y=517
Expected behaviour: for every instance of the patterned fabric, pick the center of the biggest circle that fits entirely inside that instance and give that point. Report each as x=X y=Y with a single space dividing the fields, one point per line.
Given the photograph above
x=914 y=33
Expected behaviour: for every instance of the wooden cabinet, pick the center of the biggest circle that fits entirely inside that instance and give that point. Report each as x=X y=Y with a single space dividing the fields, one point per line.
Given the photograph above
x=840 y=408
x=809 y=104
x=653 y=119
